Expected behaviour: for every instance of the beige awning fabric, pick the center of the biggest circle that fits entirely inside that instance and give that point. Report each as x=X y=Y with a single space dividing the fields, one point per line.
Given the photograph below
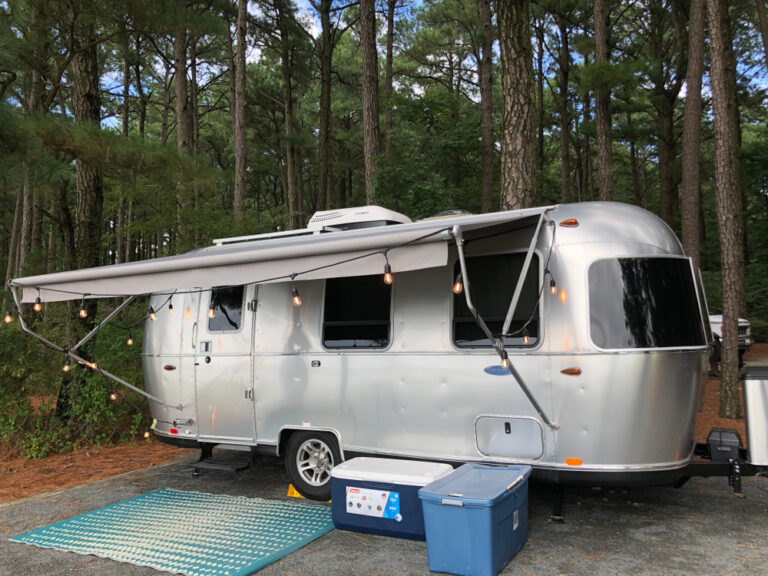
x=327 y=255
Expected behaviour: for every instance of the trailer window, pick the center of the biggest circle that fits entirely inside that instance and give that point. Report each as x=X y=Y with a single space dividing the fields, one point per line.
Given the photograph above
x=493 y=280
x=643 y=303
x=357 y=312
x=227 y=306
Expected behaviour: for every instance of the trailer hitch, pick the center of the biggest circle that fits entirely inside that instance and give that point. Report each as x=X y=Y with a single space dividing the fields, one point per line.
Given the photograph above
x=734 y=477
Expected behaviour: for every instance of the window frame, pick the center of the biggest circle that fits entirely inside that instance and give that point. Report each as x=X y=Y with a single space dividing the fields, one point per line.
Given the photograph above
x=536 y=262
x=239 y=329
x=353 y=349
x=644 y=257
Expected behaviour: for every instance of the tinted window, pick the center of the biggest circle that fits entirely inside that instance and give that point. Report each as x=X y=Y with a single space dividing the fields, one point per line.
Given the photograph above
x=227 y=304
x=493 y=280
x=643 y=303
x=357 y=312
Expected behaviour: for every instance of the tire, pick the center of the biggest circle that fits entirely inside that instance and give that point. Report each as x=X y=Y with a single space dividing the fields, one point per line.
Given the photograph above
x=309 y=458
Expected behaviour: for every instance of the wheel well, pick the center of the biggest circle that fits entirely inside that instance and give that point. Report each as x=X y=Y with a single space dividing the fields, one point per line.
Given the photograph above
x=286 y=433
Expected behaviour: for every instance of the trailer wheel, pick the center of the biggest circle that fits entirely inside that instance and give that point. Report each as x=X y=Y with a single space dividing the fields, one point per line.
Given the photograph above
x=309 y=458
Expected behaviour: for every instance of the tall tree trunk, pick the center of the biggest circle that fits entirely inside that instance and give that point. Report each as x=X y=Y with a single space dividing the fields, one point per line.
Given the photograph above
x=183 y=124
x=194 y=112
x=140 y=89
x=540 y=108
x=518 y=151
x=87 y=110
x=637 y=190
x=565 y=122
x=166 y=110
x=727 y=198
x=666 y=149
x=241 y=155
x=287 y=53
x=602 y=104
x=762 y=19
x=485 y=70
x=12 y=269
x=692 y=226
x=183 y=117
x=371 y=135
x=324 y=137
x=389 y=75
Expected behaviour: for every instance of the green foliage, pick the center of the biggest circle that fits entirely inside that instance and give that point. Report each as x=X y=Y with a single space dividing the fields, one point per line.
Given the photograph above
x=30 y=380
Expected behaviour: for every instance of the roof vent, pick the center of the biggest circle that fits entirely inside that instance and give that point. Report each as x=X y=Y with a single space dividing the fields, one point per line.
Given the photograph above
x=353 y=218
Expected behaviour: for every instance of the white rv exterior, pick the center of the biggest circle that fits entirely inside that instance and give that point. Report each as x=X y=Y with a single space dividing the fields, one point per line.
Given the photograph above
x=605 y=333
x=617 y=408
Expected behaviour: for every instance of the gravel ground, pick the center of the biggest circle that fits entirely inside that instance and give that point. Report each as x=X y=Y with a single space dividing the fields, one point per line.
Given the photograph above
x=700 y=529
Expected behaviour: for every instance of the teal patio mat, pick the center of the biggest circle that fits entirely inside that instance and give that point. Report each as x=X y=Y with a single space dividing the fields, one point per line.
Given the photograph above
x=190 y=532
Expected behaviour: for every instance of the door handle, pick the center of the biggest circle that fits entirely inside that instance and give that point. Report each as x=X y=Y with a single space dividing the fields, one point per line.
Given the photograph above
x=249 y=394
x=194 y=335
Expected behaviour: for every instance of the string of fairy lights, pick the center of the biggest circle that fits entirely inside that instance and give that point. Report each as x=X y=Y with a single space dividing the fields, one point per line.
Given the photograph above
x=458 y=287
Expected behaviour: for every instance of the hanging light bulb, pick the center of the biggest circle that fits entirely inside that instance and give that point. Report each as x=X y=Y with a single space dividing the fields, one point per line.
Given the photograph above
x=8 y=317
x=170 y=306
x=553 y=286
x=38 y=305
x=147 y=433
x=526 y=338
x=295 y=294
x=130 y=340
x=67 y=365
x=152 y=314
x=504 y=359
x=458 y=284
x=113 y=395
x=83 y=310
x=211 y=312
x=388 y=279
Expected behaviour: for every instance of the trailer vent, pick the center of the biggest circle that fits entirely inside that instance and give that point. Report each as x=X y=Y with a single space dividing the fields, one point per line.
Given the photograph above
x=354 y=218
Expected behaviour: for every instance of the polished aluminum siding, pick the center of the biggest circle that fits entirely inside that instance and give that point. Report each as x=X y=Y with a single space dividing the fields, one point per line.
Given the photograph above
x=423 y=397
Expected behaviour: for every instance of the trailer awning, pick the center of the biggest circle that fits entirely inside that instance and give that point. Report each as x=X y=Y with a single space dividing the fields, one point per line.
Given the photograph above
x=326 y=255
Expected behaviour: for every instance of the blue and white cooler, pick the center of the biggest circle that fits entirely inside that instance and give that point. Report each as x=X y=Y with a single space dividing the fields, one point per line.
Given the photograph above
x=380 y=495
x=476 y=518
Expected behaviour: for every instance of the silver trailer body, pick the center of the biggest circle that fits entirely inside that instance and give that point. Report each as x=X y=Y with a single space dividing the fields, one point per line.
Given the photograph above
x=612 y=401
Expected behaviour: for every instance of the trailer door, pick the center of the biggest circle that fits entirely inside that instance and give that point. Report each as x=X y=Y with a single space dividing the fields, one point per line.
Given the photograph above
x=224 y=366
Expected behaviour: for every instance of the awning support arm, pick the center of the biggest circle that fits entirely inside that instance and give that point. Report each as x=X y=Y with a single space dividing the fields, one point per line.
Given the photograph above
x=103 y=323
x=70 y=353
x=523 y=275
x=498 y=344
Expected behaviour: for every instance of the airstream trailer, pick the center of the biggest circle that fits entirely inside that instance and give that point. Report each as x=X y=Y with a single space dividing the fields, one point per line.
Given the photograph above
x=573 y=338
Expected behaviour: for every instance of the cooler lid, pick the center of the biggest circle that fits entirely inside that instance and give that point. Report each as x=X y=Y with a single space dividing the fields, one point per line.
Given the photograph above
x=406 y=472
x=476 y=484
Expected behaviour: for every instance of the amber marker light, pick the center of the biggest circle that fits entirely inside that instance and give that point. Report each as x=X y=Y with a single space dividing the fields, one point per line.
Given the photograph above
x=574 y=461
x=571 y=371
x=569 y=223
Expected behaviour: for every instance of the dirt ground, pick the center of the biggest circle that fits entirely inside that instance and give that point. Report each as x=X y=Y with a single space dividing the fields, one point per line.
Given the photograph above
x=24 y=478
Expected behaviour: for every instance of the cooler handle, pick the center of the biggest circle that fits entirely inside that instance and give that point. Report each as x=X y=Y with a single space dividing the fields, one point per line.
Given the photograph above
x=517 y=482
x=451 y=502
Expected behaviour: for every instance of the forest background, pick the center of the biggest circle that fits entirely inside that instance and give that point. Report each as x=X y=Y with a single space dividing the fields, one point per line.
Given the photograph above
x=137 y=129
